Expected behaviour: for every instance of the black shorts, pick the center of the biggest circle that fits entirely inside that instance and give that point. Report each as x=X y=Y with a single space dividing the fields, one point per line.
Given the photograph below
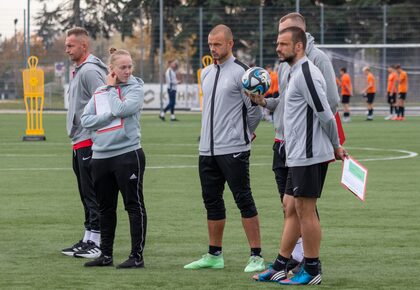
x=392 y=98
x=214 y=172
x=279 y=167
x=402 y=96
x=345 y=99
x=306 y=181
x=370 y=97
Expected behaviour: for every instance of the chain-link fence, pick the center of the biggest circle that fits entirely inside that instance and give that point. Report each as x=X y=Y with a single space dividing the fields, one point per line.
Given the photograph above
x=185 y=31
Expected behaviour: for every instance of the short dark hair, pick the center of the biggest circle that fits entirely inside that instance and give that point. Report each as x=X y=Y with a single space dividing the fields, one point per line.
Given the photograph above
x=298 y=35
x=343 y=69
x=295 y=16
x=398 y=66
x=77 y=31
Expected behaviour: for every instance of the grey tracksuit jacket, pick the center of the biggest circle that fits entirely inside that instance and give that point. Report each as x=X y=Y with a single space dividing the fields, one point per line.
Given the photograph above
x=126 y=105
x=87 y=77
x=228 y=118
x=309 y=124
x=320 y=60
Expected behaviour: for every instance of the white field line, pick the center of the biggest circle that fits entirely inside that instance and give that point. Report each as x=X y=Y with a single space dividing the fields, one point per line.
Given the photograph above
x=408 y=154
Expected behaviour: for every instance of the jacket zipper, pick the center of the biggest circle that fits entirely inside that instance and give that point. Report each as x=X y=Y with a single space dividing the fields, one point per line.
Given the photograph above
x=213 y=95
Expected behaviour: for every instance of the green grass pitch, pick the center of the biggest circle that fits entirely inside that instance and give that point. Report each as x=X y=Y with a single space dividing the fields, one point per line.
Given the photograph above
x=370 y=245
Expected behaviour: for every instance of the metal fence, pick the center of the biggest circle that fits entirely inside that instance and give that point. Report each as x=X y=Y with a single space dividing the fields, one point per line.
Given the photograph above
x=185 y=33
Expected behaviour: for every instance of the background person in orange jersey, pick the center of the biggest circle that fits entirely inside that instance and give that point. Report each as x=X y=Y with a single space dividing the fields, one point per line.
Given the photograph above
x=369 y=92
x=273 y=91
x=392 y=91
x=346 y=93
x=402 y=92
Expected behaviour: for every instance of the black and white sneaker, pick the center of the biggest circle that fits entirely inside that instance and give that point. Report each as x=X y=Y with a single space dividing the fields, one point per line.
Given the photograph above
x=91 y=251
x=134 y=261
x=102 y=261
x=74 y=249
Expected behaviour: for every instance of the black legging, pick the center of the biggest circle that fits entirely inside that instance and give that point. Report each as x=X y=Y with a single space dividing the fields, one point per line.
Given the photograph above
x=121 y=173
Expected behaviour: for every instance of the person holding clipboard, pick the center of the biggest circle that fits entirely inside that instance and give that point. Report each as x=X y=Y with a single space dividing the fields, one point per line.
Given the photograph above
x=118 y=161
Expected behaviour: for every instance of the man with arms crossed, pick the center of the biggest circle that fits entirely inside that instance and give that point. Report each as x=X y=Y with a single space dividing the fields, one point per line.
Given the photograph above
x=89 y=74
x=392 y=88
x=228 y=121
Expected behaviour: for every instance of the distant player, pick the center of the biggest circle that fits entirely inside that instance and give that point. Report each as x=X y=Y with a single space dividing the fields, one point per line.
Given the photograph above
x=172 y=84
x=89 y=74
x=228 y=121
x=392 y=89
x=346 y=93
x=369 y=91
x=402 y=93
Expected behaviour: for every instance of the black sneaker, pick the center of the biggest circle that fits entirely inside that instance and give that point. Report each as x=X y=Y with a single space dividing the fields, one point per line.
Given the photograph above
x=162 y=117
x=91 y=251
x=134 y=261
x=291 y=264
x=296 y=269
x=74 y=249
x=102 y=261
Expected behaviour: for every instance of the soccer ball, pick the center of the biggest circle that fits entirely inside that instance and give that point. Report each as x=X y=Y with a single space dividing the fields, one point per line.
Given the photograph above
x=256 y=80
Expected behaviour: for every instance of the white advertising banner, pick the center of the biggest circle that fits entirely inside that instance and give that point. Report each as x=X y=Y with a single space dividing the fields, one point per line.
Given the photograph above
x=186 y=96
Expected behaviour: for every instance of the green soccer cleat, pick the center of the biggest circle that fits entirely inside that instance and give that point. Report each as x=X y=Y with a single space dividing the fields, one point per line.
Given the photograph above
x=208 y=261
x=255 y=264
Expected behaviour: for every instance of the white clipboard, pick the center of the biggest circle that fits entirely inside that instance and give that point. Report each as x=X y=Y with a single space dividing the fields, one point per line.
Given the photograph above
x=102 y=107
x=354 y=177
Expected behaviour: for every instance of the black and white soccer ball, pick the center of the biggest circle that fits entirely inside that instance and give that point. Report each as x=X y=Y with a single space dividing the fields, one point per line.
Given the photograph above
x=256 y=80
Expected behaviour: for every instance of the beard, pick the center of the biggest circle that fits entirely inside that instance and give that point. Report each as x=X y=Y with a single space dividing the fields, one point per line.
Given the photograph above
x=289 y=58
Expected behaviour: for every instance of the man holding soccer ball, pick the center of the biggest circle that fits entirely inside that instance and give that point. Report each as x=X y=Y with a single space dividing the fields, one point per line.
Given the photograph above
x=228 y=122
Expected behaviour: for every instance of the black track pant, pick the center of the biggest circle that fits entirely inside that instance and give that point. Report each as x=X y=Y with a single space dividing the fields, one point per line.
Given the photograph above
x=81 y=168
x=121 y=173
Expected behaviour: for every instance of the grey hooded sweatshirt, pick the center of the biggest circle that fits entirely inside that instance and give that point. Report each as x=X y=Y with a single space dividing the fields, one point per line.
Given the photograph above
x=229 y=118
x=320 y=60
x=126 y=102
x=87 y=77
x=309 y=124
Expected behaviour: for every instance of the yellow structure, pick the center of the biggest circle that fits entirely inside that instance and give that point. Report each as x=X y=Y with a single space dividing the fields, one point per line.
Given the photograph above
x=206 y=60
x=33 y=90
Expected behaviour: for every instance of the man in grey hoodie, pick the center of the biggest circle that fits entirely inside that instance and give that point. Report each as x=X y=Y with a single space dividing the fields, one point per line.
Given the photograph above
x=228 y=122
x=89 y=74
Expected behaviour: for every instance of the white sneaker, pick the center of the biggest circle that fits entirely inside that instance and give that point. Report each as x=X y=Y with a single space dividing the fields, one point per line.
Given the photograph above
x=389 y=117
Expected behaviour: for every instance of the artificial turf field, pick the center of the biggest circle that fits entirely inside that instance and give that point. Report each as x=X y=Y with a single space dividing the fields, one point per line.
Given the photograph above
x=370 y=245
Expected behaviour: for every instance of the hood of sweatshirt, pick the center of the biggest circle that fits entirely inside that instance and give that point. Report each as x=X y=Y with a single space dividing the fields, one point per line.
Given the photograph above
x=310 y=43
x=92 y=60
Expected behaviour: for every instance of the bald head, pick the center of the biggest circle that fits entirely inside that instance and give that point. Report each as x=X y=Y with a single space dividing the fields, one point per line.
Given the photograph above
x=292 y=20
x=221 y=28
x=220 y=42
